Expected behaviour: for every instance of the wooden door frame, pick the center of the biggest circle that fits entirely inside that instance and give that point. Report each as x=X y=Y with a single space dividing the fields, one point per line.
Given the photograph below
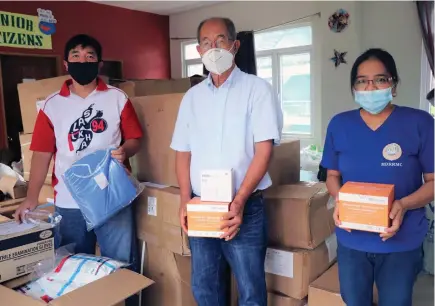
x=116 y=60
x=3 y=128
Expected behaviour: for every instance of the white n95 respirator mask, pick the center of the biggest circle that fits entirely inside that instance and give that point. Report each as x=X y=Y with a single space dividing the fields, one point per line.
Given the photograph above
x=218 y=60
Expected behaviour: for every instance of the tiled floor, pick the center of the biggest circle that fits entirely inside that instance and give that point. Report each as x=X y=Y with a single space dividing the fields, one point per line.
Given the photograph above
x=424 y=291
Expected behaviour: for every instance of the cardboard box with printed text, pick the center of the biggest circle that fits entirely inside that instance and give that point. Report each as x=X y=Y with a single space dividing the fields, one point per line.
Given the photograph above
x=23 y=247
x=365 y=206
x=290 y=271
x=158 y=221
x=205 y=218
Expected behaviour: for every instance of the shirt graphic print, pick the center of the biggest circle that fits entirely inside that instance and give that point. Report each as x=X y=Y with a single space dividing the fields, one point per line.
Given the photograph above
x=82 y=130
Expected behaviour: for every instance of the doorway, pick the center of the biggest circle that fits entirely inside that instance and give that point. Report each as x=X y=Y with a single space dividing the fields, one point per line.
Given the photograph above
x=17 y=69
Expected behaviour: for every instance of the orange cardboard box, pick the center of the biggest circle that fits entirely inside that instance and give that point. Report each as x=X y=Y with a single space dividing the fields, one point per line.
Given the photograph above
x=204 y=219
x=365 y=206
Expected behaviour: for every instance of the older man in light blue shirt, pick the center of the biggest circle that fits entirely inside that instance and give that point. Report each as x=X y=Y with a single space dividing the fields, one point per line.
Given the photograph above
x=231 y=120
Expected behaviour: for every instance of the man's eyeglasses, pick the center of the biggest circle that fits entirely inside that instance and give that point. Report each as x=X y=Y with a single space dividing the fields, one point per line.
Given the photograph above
x=378 y=82
x=221 y=42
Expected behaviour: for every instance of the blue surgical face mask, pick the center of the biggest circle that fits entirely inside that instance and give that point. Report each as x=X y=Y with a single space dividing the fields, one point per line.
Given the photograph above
x=374 y=101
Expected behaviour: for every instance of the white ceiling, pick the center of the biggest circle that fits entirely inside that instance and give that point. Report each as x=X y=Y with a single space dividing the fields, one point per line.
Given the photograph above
x=161 y=7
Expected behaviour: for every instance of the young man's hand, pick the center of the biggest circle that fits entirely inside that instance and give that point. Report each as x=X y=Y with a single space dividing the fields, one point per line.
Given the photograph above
x=119 y=154
x=23 y=208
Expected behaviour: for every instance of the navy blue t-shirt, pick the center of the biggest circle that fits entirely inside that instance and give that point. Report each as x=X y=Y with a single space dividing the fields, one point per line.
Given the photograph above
x=399 y=152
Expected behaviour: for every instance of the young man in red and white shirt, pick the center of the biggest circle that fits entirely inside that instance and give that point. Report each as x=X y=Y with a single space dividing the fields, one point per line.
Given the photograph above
x=84 y=116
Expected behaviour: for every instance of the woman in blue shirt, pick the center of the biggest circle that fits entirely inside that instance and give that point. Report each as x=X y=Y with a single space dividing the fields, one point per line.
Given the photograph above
x=381 y=143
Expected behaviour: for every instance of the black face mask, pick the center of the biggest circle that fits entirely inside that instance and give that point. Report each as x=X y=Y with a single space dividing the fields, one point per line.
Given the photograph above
x=83 y=73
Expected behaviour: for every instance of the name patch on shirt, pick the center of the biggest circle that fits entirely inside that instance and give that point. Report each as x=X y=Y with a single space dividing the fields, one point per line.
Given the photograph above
x=392 y=152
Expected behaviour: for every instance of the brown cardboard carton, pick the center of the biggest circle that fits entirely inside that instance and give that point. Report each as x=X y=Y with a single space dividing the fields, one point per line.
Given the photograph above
x=285 y=164
x=275 y=299
x=30 y=93
x=298 y=215
x=13 y=187
x=26 y=155
x=325 y=291
x=122 y=284
x=290 y=271
x=140 y=88
x=171 y=273
x=155 y=161
x=20 y=252
x=158 y=223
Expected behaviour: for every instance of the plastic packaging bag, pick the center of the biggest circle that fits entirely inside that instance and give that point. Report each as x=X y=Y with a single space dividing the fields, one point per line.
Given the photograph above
x=41 y=216
x=311 y=157
x=72 y=272
x=48 y=265
x=101 y=187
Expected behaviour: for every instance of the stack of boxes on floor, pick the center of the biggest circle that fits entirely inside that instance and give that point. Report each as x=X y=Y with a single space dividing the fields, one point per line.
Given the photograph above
x=302 y=243
x=167 y=256
x=31 y=94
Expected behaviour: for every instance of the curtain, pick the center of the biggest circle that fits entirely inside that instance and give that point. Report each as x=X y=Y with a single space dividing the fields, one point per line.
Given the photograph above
x=245 y=57
x=425 y=11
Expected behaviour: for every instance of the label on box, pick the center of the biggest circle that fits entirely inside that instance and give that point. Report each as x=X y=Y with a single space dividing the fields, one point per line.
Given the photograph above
x=101 y=180
x=331 y=244
x=152 y=206
x=279 y=262
x=20 y=255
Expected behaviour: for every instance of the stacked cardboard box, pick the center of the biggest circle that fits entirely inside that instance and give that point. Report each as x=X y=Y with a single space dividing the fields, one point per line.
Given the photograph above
x=301 y=241
x=157 y=208
x=31 y=95
x=326 y=290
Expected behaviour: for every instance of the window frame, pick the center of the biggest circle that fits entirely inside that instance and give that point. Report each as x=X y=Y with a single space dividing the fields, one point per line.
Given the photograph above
x=187 y=62
x=276 y=54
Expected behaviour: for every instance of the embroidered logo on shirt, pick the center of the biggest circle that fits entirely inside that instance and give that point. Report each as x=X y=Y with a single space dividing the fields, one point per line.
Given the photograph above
x=392 y=152
x=83 y=129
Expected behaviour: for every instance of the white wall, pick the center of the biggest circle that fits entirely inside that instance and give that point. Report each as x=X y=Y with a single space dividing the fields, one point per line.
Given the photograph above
x=389 y=25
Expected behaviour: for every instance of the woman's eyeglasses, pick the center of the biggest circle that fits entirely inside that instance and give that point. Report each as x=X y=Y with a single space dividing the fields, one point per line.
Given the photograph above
x=378 y=82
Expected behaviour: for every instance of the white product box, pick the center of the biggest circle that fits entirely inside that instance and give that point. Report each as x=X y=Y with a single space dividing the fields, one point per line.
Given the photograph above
x=217 y=186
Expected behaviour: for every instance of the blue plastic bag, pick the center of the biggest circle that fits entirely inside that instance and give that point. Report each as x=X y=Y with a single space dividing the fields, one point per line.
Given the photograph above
x=101 y=187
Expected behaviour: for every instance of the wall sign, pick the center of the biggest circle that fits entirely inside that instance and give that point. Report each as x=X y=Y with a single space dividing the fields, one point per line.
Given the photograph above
x=27 y=31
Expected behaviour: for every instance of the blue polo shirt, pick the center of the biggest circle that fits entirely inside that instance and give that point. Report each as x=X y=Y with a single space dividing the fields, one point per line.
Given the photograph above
x=399 y=152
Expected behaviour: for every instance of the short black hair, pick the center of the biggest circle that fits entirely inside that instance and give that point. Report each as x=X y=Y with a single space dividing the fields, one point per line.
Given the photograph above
x=84 y=41
x=229 y=24
x=381 y=55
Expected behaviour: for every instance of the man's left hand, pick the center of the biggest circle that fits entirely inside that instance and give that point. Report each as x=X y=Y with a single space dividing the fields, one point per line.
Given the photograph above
x=119 y=154
x=396 y=215
x=232 y=221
